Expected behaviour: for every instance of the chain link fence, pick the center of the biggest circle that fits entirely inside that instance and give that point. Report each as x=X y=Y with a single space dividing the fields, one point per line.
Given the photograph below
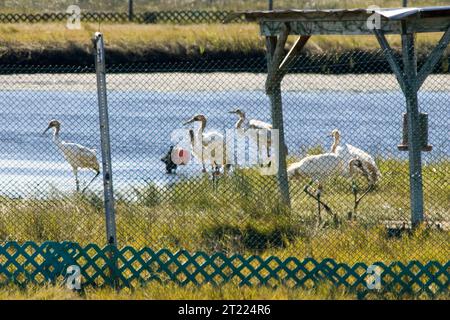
x=175 y=17
x=237 y=212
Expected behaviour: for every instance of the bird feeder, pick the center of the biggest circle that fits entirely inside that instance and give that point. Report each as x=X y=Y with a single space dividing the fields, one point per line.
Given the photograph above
x=423 y=133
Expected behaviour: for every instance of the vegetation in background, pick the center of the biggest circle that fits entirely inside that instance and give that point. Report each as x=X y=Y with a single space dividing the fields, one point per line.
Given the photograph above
x=153 y=5
x=52 y=42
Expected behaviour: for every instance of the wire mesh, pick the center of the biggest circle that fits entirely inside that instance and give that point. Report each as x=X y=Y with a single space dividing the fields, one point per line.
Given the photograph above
x=238 y=212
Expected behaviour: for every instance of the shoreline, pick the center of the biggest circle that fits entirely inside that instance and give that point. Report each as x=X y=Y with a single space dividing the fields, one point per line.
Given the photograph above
x=200 y=82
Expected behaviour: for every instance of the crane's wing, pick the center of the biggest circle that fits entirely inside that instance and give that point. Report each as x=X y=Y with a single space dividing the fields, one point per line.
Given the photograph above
x=367 y=159
x=317 y=167
x=79 y=156
x=360 y=154
x=257 y=124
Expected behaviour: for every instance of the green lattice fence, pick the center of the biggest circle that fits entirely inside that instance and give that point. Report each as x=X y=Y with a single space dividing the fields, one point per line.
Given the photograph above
x=40 y=263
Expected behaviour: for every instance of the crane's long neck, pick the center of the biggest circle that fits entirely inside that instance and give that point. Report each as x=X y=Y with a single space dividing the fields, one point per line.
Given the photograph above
x=337 y=140
x=240 y=122
x=201 y=128
x=56 y=138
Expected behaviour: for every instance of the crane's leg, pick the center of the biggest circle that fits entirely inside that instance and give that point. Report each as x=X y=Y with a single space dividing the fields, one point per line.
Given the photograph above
x=358 y=200
x=318 y=194
x=96 y=175
x=75 y=173
x=317 y=197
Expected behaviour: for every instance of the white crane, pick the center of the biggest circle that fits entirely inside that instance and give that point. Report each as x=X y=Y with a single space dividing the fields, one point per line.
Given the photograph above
x=366 y=165
x=76 y=155
x=245 y=124
x=211 y=142
x=318 y=168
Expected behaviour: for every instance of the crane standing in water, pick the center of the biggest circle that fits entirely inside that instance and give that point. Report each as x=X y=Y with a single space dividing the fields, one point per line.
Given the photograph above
x=259 y=125
x=203 y=141
x=78 y=156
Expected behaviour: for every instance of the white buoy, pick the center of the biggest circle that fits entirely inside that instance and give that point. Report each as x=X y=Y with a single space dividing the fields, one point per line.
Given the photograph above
x=180 y=156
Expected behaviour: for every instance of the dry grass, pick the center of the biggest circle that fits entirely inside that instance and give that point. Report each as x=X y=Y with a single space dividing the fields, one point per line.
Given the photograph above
x=172 y=39
x=155 y=291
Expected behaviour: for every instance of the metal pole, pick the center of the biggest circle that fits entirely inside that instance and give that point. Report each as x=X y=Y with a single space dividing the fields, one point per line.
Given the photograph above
x=414 y=132
x=270 y=4
x=405 y=3
x=130 y=10
x=105 y=141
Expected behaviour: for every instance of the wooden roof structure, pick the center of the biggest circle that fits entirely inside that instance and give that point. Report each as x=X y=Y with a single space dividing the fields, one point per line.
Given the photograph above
x=277 y=25
x=349 y=21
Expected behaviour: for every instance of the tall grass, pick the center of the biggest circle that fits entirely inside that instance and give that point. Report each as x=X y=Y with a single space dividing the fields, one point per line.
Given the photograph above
x=137 y=39
x=156 y=291
x=242 y=216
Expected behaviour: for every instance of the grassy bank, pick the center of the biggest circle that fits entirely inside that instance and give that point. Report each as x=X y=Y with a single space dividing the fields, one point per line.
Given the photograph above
x=155 y=291
x=241 y=216
x=53 y=44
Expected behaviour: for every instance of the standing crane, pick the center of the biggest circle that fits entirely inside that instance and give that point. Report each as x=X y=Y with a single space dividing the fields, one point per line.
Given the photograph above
x=201 y=140
x=243 y=124
x=366 y=165
x=318 y=168
x=78 y=156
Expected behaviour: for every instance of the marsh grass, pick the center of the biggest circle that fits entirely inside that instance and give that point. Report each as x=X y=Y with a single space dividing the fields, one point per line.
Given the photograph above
x=138 y=40
x=229 y=291
x=242 y=216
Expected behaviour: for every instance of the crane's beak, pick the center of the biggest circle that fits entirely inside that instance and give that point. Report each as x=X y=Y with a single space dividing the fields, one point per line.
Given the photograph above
x=189 y=121
x=232 y=111
x=46 y=130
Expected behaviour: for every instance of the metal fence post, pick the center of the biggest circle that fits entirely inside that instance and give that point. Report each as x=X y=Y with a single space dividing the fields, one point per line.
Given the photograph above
x=105 y=141
x=130 y=10
x=414 y=144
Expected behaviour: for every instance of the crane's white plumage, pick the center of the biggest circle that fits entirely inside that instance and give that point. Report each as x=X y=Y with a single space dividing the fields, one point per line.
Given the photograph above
x=78 y=156
x=258 y=124
x=206 y=141
x=347 y=152
x=317 y=167
x=254 y=124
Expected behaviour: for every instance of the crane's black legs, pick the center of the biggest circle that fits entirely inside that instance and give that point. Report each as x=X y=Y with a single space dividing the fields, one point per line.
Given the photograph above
x=319 y=202
x=77 y=182
x=358 y=200
x=97 y=174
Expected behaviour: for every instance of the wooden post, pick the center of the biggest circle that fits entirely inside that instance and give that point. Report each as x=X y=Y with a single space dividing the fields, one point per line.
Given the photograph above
x=273 y=90
x=410 y=82
x=277 y=66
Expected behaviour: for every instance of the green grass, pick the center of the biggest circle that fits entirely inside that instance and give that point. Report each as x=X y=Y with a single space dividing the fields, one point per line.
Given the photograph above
x=243 y=216
x=155 y=291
